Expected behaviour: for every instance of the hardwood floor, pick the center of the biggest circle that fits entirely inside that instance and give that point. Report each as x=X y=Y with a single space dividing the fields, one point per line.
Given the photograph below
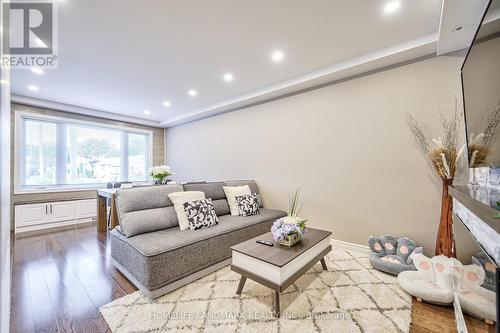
x=60 y=280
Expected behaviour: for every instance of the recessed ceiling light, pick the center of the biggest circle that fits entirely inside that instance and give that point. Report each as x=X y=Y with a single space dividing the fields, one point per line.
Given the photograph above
x=147 y=112
x=192 y=92
x=228 y=77
x=166 y=104
x=391 y=7
x=457 y=28
x=33 y=88
x=37 y=70
x=7 y=83
x=277 y=56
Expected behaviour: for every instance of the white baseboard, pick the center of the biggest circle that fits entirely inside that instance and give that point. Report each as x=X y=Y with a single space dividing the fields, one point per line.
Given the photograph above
x=351 y=247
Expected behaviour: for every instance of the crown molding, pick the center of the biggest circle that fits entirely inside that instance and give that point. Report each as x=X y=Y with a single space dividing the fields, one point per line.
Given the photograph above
x=80 y=110
x=352 y=68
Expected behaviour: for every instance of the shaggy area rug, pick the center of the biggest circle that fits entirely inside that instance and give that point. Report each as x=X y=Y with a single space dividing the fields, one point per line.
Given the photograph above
x=350 y=297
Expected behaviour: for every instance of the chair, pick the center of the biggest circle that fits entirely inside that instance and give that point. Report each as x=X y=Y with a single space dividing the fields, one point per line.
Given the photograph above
x=438 y=279
x=391 y=255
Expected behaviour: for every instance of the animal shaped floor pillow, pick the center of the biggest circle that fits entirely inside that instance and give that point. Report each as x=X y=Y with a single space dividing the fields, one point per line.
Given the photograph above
x=438 y=279
x=392 y=255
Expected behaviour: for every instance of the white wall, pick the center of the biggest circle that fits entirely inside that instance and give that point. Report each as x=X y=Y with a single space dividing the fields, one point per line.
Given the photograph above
x=346 y=145
x=4 y=200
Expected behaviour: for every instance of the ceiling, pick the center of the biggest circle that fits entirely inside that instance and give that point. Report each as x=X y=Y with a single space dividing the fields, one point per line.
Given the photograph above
x=124 y=57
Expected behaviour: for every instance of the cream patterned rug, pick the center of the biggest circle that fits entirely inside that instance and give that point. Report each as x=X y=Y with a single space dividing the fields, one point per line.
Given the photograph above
x=350 y=297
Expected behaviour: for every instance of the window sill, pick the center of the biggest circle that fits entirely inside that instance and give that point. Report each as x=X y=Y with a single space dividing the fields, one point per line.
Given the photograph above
x=57 y=189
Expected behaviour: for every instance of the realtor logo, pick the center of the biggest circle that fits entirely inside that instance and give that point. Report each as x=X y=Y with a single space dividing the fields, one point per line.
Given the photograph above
x=29 y=34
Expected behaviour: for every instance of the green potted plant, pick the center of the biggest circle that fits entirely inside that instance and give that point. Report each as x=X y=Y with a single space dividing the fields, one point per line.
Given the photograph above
x=288 y=230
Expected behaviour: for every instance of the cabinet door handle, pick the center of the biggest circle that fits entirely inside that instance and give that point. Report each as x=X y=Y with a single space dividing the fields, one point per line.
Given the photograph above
x=46 y=209
x=50 y=208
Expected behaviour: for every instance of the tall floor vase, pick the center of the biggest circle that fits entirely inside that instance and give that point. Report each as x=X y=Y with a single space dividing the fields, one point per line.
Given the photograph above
x=445 y=243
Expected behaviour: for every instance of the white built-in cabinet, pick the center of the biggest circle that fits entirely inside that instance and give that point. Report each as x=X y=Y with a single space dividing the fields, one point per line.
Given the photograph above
x=32 y=217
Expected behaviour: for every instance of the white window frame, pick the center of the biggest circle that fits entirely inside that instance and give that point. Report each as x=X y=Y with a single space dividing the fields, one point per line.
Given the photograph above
x=19 y=155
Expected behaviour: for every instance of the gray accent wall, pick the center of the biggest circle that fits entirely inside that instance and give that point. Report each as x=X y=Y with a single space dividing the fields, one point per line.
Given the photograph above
x=347 y=145
x=158 y=154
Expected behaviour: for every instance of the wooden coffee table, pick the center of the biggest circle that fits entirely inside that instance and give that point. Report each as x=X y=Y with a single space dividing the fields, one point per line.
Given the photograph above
x=279 y=266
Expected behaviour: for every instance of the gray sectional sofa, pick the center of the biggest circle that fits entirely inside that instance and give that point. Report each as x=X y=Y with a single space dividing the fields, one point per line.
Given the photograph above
x=153 y=253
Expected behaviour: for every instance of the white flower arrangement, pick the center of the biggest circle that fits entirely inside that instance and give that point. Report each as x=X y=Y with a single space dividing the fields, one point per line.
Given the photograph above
x=289 y=229
x=160 y=172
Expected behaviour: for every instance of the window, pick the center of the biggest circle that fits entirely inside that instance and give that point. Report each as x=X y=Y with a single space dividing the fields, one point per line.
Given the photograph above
x=56 y=152
x=40 y=152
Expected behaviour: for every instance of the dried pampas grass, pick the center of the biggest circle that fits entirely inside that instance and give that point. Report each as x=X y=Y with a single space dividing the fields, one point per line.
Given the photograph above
x=479 y=145
x=439 y=158
x=441 y=152
x=478 y=154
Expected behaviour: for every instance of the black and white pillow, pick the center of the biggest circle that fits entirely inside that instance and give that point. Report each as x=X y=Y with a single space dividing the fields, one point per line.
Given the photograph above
x=200 y=214
x=248 y=204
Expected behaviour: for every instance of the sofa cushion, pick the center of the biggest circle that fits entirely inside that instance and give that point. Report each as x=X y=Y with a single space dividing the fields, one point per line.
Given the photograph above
x=154 y=243
x=162 y=257
x=231 y=193
x=147 y=197
x=179 y=199
x=221 y=207
x=214 y=191
x=253 y=188
x=146 y=209
x=200 y=214
x=248 y=205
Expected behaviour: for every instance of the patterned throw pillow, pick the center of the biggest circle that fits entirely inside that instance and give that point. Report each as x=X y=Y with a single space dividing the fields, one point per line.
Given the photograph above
x=248 y=204
x=200 y=214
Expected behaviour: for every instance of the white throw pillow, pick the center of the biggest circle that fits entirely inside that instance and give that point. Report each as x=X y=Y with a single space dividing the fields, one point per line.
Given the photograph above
x=231 y=193
x=178 y=199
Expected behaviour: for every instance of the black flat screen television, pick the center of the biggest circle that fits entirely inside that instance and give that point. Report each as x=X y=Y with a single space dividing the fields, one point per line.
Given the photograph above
x=481 y=91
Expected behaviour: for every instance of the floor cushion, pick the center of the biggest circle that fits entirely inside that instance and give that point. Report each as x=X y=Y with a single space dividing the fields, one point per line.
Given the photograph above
x=437 y=279
x=392 y=255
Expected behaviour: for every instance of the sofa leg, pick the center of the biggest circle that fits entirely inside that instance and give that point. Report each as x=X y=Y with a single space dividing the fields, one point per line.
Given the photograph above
x=419 y=299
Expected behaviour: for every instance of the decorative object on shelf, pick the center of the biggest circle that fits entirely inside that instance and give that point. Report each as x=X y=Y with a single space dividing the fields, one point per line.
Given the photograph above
x=478 y=177
x=480 y=149
x=479 y=146
x=443 y=155
x=438 y=279
x=160 y=173
x=494 y=177
x=288 y=230
x=392 y=255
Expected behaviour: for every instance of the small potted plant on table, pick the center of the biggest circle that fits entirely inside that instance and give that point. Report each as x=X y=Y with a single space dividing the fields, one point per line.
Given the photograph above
x=288 y=230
